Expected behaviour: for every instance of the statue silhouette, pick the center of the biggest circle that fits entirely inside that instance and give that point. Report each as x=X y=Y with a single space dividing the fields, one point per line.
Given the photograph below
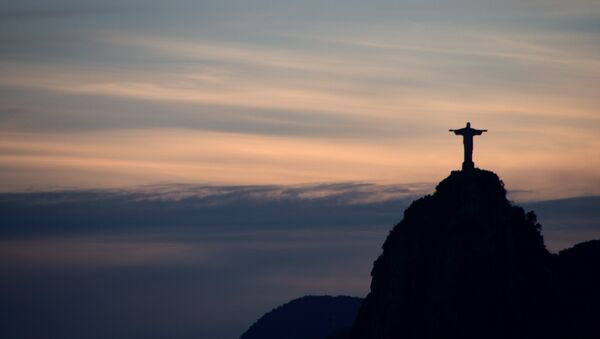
x=468 y=134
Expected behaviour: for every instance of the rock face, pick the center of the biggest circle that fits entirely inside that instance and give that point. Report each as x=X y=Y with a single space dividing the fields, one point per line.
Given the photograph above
x=463 y=263
x=315 y=317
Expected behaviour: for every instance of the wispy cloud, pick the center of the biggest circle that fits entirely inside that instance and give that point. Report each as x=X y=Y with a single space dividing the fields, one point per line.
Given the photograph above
x=124 y=158
x=307 y=99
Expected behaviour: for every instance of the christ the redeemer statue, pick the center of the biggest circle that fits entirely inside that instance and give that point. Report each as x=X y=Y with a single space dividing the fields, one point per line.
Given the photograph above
x=467 y=134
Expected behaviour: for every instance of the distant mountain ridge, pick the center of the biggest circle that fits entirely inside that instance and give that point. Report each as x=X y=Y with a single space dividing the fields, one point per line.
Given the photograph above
x=315 y=317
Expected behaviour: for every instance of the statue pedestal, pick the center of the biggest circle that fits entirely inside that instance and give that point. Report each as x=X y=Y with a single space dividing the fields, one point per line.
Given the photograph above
x=466 y=166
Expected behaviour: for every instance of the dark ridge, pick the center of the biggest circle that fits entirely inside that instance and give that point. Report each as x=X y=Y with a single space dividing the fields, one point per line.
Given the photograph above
x=578 y=270
x=314 y=317
x=463 y=263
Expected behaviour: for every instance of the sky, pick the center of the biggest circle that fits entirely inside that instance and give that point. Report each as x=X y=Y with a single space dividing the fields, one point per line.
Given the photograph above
x=176 y=169
x=123 y=93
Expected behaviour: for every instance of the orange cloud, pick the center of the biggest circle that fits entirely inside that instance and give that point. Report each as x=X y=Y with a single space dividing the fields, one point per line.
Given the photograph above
x=138 y=157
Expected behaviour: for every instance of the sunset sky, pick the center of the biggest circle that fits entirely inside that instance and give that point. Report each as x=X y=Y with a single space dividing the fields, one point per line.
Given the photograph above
x=123 y=93
x=175 y=169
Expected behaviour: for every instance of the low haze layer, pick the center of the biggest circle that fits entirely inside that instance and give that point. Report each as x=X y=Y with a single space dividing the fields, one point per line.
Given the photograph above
x=192 y=261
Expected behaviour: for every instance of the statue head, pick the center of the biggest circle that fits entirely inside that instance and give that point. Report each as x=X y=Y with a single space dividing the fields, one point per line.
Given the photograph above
x=468 y=125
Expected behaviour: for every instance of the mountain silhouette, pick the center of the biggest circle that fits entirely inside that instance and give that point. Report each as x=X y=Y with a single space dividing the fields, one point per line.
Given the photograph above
x=466 y=263
x=578 y=271
x=314 y=317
